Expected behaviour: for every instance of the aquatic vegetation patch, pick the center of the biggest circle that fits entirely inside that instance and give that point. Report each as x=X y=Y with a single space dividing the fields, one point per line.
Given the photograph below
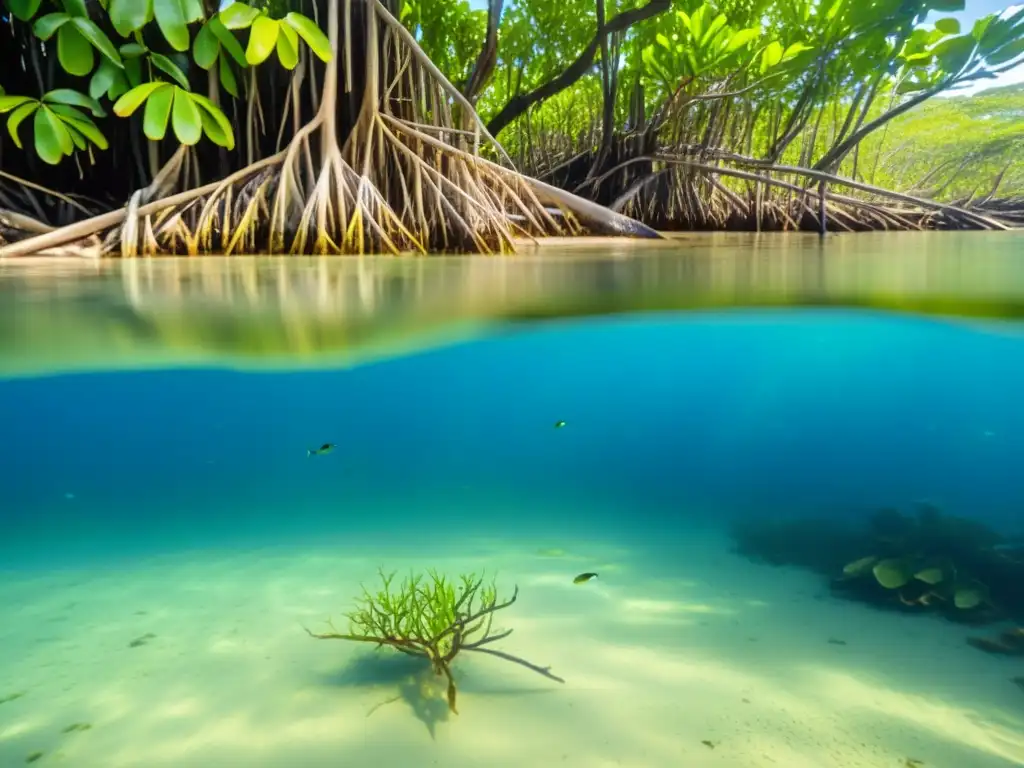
x=432 y=617
x=923 y=562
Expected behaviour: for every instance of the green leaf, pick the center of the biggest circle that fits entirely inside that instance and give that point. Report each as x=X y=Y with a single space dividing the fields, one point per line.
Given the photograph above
x=130 y=15
x=205 y=48
x=697 y=21
x=713 y=27
x=911 y=86
x=133 y=50
x=214 y=131
x=163 y=63
x=74 y=98
x=7 y=103
x=262 y=38
x=131 y=101
x=97 y=39
x=173 y=18
x=948 y=26
x=75 y=8
x=981 y=25
x=794 y=50
x=45 y=26
x=1002 y=31
x=311 y=34
x=1007 y=52
x=188 y=125
x=74 y=52
x=946 y=5
x=76 y=137
x=218 y=116
x=158 y=110
x=52 y=139
x=23 y=10
x=227 y=77
x=741 y=38
x=771 y=56
x=954 y=52
x=228 y=40
x=72 y=117
x=238 y=16
x=102 y=79
x=119 y=87
x=133 y=72
x=287 y=46
x=16 y=118
x=661 y=40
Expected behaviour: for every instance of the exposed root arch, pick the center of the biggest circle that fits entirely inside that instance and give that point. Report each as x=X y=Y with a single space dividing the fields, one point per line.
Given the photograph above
x=408 y=175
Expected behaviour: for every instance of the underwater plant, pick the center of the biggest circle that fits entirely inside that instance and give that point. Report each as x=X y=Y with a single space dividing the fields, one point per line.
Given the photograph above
x=929 y=560
x=924 y=561
x=434 y=618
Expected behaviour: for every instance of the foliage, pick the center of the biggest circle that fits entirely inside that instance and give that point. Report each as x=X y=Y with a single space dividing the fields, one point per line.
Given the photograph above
x=434 y=618
x=60 y=126
x=840 y=87
x=450 y=32
x=152 y=67
x=954 y=148
x=925 y=562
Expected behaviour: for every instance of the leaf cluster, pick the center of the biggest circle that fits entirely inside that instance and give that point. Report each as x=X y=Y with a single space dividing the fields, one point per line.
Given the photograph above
x=149 y=64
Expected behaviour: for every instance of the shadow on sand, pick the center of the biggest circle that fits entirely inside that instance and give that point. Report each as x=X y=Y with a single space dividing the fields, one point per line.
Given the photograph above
x=416 y=684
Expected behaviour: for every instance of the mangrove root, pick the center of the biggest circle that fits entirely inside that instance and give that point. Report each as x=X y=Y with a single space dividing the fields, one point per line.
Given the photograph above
x=400 y=168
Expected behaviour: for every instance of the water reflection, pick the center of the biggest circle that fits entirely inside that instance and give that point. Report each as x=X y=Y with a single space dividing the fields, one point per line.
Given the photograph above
x=59 y=315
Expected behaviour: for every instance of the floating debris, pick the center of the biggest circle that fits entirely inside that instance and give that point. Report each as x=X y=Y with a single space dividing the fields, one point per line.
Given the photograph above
x=912 y=762
x=33 y=757
x=75 y=727
x=321 y=451
x=836 y=641
x=141 y=640
x=559 y=424
x=11 y=697
x=584 y=577
x=709 y=744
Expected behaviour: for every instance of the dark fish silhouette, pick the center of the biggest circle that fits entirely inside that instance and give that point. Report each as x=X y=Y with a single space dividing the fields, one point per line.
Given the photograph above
x=559 y=424
x=325 y=448
x=584 y=577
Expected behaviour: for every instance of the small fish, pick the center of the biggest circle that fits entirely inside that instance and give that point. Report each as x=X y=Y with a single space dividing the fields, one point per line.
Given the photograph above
x=559 y=424
x=583 y=578
x=323 y=449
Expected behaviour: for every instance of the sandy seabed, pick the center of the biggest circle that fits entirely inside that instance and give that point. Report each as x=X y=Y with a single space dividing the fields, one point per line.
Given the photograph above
x=695 y=659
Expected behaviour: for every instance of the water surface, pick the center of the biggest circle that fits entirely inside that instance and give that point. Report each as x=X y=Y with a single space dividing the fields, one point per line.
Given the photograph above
x=157 y=415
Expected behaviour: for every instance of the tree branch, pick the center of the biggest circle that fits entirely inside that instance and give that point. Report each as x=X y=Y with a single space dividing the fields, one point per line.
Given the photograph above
x=517 y=105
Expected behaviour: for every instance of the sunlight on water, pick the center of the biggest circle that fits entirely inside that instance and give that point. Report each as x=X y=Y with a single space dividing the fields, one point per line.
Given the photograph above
x=717 y=428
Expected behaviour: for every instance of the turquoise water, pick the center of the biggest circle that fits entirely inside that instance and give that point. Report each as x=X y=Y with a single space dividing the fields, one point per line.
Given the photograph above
x=179 y=501
x=732 y=413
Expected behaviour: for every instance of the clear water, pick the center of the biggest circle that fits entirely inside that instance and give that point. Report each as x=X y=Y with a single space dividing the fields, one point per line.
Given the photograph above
x=165 y=537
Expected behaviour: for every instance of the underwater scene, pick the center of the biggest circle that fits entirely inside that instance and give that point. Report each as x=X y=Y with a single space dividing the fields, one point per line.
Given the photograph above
x=712 y=507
